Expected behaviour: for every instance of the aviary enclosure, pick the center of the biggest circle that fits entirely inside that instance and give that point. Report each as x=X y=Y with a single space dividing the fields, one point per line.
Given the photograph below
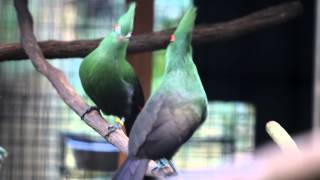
x=257 y=61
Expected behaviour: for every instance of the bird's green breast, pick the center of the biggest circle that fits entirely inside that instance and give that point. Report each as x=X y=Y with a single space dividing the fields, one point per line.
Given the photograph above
x=188 y=84
x=105 y=83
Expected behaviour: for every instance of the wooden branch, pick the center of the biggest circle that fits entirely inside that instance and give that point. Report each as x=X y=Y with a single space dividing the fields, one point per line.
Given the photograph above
x=281 y=137
x=63 y=87
x=152 y=41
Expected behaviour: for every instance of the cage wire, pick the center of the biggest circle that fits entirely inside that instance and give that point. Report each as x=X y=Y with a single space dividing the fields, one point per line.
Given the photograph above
x=33 y=118
x=227 y=135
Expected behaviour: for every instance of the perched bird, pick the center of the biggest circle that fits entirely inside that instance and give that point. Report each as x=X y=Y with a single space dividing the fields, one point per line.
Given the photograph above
x=173 y=112
x=107 y=77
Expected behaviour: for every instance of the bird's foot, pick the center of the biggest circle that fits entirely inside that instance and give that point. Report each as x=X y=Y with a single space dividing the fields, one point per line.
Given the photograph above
x=91 y=108
x=119 y=124
x=165 y=168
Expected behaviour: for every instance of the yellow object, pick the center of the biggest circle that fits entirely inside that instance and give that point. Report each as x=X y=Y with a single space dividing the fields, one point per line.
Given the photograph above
x=119 y=121
x=280 y=136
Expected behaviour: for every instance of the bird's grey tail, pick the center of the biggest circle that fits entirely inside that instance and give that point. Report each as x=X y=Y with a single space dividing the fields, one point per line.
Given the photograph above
x=134 y=169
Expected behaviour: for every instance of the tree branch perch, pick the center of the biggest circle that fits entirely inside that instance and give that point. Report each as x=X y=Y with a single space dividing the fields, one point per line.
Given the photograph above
x=152 y=41
x=61 y=84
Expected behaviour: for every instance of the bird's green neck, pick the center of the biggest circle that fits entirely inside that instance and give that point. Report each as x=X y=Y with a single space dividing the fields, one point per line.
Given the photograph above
x=179 y=56
x=113 y=48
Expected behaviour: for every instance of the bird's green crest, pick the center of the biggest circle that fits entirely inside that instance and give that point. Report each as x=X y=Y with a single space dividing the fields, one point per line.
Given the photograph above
x=126 y=20
x=179 y=51
x=114 y=44
x=187 y=22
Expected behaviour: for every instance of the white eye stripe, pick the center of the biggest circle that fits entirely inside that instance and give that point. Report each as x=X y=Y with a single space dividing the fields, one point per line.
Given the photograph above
x=117 y=29
x=129 y=35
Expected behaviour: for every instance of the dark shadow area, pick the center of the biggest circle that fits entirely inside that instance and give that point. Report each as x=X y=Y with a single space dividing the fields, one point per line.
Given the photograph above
x=271 y=68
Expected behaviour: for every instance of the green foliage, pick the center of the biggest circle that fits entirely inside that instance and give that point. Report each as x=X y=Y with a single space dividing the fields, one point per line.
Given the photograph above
x=8 y=21
x=158 y=64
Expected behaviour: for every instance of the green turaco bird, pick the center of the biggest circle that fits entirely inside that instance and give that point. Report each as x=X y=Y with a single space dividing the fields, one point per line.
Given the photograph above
x=173 y=112
x=107 y=77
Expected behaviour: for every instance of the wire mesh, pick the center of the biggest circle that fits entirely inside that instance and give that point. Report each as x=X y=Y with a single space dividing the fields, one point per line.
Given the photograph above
x=227 y=133
x=32 y=116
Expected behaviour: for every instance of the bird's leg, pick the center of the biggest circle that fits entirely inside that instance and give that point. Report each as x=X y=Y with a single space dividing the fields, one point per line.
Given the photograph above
x=119 y=124
x=91 y=108
x=163 y=164
x=173 y=167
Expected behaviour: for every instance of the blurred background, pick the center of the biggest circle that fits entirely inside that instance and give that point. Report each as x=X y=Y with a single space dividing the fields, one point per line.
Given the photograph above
x=262 y=76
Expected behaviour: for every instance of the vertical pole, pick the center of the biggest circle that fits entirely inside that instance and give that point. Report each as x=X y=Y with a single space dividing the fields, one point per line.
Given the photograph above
x=316 y=86
x=142 y=63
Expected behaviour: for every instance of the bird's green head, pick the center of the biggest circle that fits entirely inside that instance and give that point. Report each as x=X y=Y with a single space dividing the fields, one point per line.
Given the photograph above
x=114 y=44
x=124 y=27
x=179 y=50
x=181 y=38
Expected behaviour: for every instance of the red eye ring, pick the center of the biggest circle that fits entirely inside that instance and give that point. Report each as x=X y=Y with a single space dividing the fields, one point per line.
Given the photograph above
x=172 y=38
x=117 y=28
